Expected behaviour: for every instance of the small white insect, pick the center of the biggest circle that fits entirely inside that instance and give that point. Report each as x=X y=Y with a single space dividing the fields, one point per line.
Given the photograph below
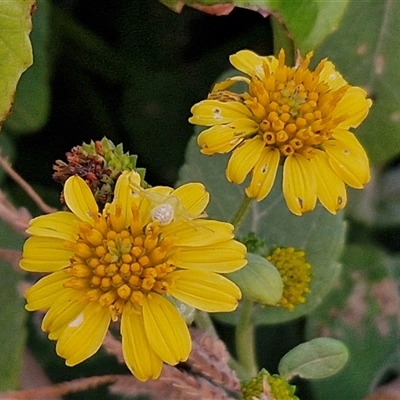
x=167 y=208
x=164 y=214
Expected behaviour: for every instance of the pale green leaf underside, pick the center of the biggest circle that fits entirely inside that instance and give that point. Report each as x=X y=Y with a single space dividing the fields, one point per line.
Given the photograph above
x=362 y=311
x=316 y=359
x=366 y=50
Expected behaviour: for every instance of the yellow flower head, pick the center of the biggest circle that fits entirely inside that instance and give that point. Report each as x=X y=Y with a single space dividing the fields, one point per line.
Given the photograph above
x=268 y=386
x=290 y=115
x=295 y=273
x=124 y=263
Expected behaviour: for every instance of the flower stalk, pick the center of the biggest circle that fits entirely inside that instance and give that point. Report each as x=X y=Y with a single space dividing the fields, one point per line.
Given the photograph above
x=241 y=211
x=245 y=340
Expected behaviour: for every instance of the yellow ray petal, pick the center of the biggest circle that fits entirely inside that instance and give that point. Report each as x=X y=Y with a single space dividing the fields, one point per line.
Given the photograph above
x=354 y=106
x=84 y=336
x=223 y=138
x=348 y=161
x=332 y=77
x=139 y=356
x=64 y=310
x=251 y=63
x=200 y=232
x=222 y=257
x=243 y=159
x=43 y=254
x=331 y=190
x=204 y=290
x=61 y=225
x=193 y=197
x=350 y=140
x=123 y=195
x=44 y=292
x=227 y=83
x=166 y=330
x=299 y=186
x=214 y=112
x=264 y=174
x=160 y=192
x=79 y=199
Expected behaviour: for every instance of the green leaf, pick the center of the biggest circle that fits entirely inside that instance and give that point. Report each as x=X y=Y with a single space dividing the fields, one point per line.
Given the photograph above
x=363 y=312
x=309 y=22
x=379 y=203
x=12 y=315
x=15 y=49
x=370 y=60
x=318 y=233
x=316 y=359
x=32 y=102
x=259 y=280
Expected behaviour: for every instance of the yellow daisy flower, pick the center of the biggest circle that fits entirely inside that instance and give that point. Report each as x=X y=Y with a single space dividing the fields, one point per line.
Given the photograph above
x=290 y=115
x=124 y=263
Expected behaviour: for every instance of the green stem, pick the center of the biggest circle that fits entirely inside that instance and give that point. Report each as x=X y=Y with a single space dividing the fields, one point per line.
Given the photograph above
x=203 y=321
x=241 y=211
x=245 y=341
x=246 y=366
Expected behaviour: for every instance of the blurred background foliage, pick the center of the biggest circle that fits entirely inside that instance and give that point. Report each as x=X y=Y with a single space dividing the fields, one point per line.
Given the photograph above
x=131 y=70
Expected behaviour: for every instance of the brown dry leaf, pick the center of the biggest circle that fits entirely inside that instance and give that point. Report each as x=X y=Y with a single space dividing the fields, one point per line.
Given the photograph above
x=60 y=389
x=172 y=384
x=209 y=357
x=207 y=377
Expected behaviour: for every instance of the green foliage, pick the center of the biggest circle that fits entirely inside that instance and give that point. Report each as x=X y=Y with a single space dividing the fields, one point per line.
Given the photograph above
x=32 y=103
x=316 y=359
x=363 y=312
x=12 y=316
x=308 y=22
x=370 y=60
x=318 y=233
x=15 y=49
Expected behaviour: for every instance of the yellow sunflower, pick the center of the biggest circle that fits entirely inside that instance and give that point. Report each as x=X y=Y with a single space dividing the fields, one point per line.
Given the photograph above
x=124 y=263
x=291 y=115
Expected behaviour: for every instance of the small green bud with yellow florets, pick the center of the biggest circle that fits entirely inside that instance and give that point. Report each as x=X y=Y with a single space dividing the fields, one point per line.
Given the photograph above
x=295 y=273
x=268 y=387
x=99 y=164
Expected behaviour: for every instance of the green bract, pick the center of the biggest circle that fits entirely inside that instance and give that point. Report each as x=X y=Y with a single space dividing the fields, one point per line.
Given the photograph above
x=259 y=281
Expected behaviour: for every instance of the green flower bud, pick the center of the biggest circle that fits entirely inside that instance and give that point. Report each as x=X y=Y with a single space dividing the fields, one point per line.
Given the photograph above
x=259 y=280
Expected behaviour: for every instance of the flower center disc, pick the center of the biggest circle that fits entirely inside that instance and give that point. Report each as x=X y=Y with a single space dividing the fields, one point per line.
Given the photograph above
x=119 y=266
x=294 y=107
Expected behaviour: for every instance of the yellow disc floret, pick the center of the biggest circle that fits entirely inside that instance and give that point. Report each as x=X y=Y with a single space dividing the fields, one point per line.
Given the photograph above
x=294 y=109
x=268 y=386
x=295 y=273
x=117 y=265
